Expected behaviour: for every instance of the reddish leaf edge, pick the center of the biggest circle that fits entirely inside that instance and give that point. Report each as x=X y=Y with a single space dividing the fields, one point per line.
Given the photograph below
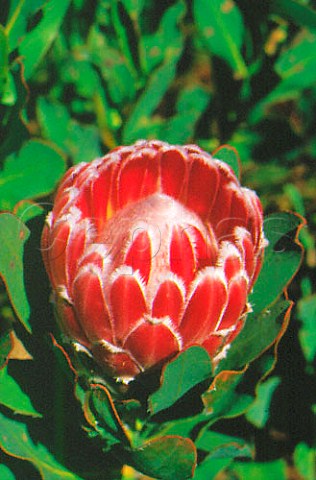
x=287 y=315
x=235 y=151
x=222 y=374
x=285 y=323
x=126 y=440
x=93 y=386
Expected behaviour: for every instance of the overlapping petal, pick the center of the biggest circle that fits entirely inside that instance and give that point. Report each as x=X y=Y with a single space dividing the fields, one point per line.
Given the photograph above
x=151 y=249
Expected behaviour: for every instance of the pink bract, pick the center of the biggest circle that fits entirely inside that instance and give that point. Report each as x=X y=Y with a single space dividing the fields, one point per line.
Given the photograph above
x=151 y=249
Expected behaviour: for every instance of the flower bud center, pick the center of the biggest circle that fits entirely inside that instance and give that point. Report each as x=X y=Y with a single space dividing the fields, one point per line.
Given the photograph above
x=157 y=217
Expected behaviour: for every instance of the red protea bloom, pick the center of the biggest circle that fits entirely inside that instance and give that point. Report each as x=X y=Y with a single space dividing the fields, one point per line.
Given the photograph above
x=151 y=249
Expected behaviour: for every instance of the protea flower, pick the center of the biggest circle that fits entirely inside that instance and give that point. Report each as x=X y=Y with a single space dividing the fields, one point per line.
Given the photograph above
x=151 y=249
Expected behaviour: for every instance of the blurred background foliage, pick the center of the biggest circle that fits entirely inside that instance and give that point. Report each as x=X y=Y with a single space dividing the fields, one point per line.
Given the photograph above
x=78 y=78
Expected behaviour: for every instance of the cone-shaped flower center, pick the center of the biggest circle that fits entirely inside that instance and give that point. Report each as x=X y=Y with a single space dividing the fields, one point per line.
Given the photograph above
x=155 y=235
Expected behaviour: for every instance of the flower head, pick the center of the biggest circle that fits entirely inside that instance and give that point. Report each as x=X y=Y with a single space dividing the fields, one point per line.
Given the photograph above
x=151 y=249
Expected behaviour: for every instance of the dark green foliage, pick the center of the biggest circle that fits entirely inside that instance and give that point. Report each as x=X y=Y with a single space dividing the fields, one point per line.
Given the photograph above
x=79 y=78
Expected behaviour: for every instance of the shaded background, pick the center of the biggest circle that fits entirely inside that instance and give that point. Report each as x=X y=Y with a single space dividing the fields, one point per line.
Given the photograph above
x=79 y=78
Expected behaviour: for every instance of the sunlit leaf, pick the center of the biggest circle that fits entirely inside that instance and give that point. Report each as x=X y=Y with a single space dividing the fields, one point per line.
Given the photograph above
x=126 y=37
x=304 y=459
x=13 y=235
x=9 y=95
x=260 y=471
x=297 y=69
x=118 y=78
x=134 y=7
x=221 y=24
x=190 y=368
x=157 y=86
x=12 y=397
x=16 y=441
x=166 y=42
x=210 y=467
x=54 y=121
x=20 y=15
x=6 y=473
x=36 y=43
x=26 y=210
x=80 y=142
x=230 y=156
x=25 y=175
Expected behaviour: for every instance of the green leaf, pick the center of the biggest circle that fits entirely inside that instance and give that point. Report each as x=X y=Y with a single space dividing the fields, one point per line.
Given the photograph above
x=297 y=58
x=230 y=156
x=120 y=88
x=26 y=210
x=36 y=43
x=80 y=142
x=282 y=259
x=5 y=347
x=222 y=446
x=190 y=368
x=84 y=142
x=259 y=333
x=223 y=400
x=84 y=77
x=220 y=22
x=16 y=441
x=297 y=69
x=191 y=104
x=210 y=467
x=304 y=460
x=6 y=473
x=258 y=413
x=295 y=197
x=223 y=449
x=21 y=13
x=14 y=131
x=13 y=235
x=12 y=397
x=54 y=120
x=166 y=458
x=294 y=11
x=102 y=415
x=166 y=42
x=260 y=471
x=122 y=34
x=32 y=173
x=134 y=7
x=9 y=95
x=4 y=52
x=140 y=121
x=307 y=332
